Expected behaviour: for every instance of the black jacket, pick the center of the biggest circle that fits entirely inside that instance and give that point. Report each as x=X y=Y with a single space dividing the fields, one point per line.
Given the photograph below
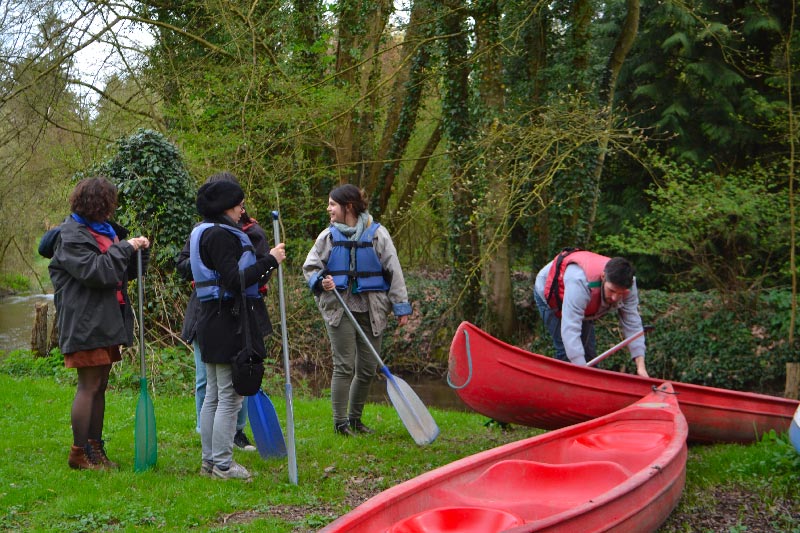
x=86 y=283
x=218 y=325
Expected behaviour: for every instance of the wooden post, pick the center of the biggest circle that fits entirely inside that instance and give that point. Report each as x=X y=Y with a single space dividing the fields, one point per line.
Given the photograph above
x=39 y=338
x=53 y=343
x=792 y=381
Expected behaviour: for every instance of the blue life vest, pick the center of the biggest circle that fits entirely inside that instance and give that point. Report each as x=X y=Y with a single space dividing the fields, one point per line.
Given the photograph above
x=206 y=280
x=368 y=272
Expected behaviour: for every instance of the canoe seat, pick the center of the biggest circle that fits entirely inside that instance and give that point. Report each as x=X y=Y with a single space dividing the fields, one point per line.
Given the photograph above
x=457 y=519
x=535 y=490
x=633 y=447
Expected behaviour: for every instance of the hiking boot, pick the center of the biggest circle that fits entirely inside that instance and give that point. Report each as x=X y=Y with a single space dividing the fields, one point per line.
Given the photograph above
x=99 y=454
x=80 y=458
x=343 y=428
x=206 y=468
x=358 y=427
x=235 y=471
x=241 y=441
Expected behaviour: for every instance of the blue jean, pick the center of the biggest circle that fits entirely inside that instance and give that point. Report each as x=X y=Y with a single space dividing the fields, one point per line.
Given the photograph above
x=553 y=325
x=200 y=380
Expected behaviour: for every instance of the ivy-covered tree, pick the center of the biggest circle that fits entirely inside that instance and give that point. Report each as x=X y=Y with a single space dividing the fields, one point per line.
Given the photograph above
x=157 y=200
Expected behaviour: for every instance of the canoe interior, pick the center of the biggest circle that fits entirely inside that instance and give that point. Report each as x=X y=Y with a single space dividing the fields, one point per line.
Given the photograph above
x=597 y=476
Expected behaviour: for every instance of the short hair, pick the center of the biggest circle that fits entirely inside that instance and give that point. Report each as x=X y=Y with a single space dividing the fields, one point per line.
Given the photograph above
x=350 y=194
x=619 y=271
x=95 y=199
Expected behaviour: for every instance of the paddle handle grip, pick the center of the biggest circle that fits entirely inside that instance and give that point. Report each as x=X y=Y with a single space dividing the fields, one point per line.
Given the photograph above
x=620 y=345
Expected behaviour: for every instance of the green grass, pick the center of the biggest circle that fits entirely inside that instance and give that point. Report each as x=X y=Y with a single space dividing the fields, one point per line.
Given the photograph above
x=38 y=491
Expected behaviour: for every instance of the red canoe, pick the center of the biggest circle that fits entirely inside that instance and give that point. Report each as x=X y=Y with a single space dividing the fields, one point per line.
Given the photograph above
x=621 y=472
x=515 y=386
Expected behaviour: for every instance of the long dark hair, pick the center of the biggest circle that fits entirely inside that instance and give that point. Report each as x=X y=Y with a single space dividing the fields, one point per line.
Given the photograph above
x=350 y=194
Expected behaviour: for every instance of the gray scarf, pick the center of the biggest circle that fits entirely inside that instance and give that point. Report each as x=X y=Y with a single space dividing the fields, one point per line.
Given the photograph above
x=354 y=233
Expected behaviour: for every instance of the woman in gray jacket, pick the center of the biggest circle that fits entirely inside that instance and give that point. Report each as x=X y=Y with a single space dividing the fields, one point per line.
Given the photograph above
x=91 y=265
x=356 y=256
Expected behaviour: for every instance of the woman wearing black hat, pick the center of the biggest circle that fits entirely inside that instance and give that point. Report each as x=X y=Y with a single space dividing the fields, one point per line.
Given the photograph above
x=218 y=250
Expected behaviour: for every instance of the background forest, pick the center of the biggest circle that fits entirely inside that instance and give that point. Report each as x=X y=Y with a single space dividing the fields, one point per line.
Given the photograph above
x=489 y=134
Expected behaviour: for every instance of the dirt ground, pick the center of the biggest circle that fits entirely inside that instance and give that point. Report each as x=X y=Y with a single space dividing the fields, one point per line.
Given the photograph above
x=729 y=510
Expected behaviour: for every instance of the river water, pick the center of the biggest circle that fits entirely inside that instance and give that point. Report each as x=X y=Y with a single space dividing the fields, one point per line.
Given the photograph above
x=16 y=319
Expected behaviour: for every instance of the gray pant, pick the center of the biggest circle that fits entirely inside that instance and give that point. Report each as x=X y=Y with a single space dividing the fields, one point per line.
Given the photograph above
x=218 y=415
x=354 y=366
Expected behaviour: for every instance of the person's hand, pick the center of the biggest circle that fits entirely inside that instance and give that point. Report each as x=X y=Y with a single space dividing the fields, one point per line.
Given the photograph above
x=279 y=252
x=402 y=320
x=139 y=242
x=327 y=283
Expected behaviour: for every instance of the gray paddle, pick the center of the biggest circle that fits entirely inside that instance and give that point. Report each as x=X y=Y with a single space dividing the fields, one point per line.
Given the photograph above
x=288 y=386
x=415 y=416
x=620 y=345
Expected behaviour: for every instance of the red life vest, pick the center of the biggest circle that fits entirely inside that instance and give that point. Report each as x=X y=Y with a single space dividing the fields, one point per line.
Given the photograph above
x=593 y=266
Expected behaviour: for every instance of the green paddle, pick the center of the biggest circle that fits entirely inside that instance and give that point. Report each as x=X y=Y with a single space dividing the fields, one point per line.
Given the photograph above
x=145 y=446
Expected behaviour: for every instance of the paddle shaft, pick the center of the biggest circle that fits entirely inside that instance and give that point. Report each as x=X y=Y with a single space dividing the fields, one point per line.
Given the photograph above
x=358 y=328
x=619 y=345
x=392 y=385
x=288 y=387
x=140 y=284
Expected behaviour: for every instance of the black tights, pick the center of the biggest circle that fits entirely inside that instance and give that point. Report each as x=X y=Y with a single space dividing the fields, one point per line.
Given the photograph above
x=89 y=405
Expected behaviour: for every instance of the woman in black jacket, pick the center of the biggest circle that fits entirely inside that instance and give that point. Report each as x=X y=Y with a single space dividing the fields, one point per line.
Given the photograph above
x=91 y=265
x=219 y=250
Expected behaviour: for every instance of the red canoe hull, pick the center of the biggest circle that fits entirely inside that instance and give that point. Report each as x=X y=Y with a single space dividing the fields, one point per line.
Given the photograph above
x=515 y=386
x=621 y=472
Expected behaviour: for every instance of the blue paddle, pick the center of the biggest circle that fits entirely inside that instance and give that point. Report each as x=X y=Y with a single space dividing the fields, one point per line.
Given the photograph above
x=265 y=425
x=288 y=387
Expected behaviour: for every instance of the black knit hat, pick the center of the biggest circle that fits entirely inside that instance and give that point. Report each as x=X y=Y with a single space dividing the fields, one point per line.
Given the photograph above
x=217 y=197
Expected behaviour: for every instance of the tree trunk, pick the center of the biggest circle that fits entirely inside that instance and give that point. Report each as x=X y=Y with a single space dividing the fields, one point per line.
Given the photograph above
x=407 y=196
x=361 y=24
x=39 y=331
x=465 y=276
x=404 y=105
x=500 y=314
x=792 y=381
x=624 y=43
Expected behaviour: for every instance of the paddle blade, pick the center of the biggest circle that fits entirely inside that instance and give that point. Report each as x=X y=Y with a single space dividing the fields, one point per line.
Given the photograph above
x=145 y=444
x=265 y=425
x=415 y=416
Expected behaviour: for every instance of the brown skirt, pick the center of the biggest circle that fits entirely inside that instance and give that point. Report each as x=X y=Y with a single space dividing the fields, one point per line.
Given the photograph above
x=95 y=357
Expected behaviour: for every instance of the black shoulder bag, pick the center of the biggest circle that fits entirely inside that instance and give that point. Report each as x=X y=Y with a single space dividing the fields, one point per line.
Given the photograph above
x=247 y=367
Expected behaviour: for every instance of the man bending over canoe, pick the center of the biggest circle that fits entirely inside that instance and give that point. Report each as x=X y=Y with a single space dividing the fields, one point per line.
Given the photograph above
x=578 y=287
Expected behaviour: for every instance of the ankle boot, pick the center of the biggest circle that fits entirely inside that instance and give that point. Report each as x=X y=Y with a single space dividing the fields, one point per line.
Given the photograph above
x=358 y=427
x=80 y=458
x=99 y=454
x=343 y=428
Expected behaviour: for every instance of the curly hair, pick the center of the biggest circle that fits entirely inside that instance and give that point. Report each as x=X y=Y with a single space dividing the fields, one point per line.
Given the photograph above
x=350 y=194
x=95 y=199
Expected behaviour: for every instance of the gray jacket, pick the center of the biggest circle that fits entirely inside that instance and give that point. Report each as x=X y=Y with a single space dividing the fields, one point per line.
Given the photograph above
x=380 y=303
x=576 y=298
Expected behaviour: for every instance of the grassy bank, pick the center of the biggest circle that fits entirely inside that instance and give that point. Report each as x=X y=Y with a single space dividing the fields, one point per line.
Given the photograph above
x=38 y=492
